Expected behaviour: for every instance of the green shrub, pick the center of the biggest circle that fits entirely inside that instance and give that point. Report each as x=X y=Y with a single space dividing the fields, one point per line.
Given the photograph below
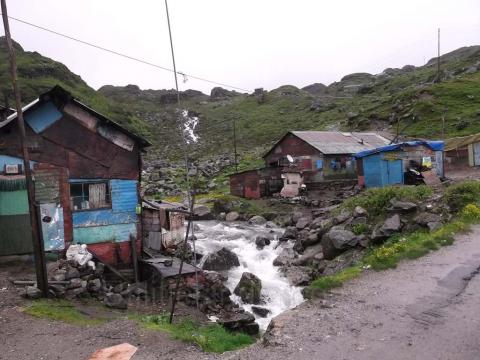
x=460 y=195
x=377 y=200
x=359 y=229
x=471 y=212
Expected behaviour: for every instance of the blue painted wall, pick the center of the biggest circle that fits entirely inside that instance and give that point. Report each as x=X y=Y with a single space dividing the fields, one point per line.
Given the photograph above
x=115 y=224
x=44 y=116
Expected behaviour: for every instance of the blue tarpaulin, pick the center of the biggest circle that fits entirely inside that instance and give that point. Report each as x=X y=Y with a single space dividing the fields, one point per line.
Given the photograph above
x=434 y=145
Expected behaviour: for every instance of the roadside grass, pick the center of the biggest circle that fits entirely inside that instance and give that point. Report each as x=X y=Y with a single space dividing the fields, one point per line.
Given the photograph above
x=60 y=310
x=210 y=338
x=326 y=283
x=462 y=194
x=400 y=247
x=377 y=200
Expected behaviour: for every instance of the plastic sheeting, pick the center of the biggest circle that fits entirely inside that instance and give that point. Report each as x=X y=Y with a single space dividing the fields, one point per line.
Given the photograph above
x=434 y=145
x=458 y=142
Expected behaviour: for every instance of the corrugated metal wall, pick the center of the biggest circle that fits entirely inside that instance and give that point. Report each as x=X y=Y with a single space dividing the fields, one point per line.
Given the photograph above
x=115 y=224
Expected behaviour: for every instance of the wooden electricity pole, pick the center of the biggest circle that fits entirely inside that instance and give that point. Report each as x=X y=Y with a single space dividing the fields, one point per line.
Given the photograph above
x=38 y=247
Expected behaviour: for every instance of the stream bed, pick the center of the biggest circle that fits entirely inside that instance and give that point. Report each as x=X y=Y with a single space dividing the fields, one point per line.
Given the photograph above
x=277 y=293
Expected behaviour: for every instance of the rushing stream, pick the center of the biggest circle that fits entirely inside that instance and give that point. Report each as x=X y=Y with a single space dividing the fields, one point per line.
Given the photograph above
x=277 y=293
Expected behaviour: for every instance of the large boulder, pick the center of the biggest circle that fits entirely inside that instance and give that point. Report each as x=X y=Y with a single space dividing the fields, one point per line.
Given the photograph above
x=221 y=260
x=257 y=220
x=232 y=216
x=337 y=241
x=289 y=233
x=260 y=311
x=202 y=212
x=261 y=242
x=240 y=321
x=115 y=301
x=222 y=206
x=342 y=217
x=310 y=253
x=425 y=218
x=392 y=225
x=285 y=258
x=303 y=222
x=249 y=288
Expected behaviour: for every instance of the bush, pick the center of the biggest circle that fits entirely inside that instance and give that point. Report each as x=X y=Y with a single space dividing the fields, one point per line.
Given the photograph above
x=471 y=212
x=377 y=200
x=460 y=195
x=359 y=229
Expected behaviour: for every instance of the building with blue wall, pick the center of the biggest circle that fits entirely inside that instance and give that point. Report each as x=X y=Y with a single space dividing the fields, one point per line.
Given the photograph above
x=387 y=165
x=87 y=172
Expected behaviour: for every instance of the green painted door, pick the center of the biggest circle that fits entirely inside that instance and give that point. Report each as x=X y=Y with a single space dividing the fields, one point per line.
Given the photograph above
x=15 y=231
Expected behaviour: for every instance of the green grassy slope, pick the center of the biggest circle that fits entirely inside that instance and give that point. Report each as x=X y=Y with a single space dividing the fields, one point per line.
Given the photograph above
x=407 y=98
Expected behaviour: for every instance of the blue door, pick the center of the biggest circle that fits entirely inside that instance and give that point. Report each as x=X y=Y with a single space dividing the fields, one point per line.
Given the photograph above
x=392 y=172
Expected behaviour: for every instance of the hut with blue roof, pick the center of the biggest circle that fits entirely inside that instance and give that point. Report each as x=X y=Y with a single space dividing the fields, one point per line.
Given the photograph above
x=388 y=165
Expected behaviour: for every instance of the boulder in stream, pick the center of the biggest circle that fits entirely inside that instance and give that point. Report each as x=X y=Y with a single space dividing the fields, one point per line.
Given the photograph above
x=221 y=260
x=249 y=288
x=257 y=220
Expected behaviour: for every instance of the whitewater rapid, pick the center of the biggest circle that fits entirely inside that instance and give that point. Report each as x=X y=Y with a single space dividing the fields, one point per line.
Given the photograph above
x=277 y=292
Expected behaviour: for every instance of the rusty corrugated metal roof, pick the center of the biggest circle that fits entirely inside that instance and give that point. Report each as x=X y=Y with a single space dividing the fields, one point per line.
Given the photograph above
x=336 y=142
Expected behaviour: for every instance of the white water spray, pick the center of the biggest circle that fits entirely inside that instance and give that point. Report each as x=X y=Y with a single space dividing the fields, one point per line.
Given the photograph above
x=277 y=292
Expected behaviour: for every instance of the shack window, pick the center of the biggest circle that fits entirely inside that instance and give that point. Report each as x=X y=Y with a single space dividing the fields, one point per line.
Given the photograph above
x=90 y=195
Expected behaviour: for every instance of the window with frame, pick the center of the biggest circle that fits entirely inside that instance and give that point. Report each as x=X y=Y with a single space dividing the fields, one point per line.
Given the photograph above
x=90 y=195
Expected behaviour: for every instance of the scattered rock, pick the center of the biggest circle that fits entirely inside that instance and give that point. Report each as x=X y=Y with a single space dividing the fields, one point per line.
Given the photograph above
x=424 y=218
x=249 y=288
x=402 y=206
x=257 y=220
x=302 y=223
x=336 y=241
x=435 y=225
x=315 y=251
x=240 y=321
x=221 y=260
x=72 y=273
x=260 y=311
x=359 y=211
x=342 y=217
x=261 y=242
x=391 y=226
x=115 y=301
x=285 y=257
x=290 y=233
x=32 y=292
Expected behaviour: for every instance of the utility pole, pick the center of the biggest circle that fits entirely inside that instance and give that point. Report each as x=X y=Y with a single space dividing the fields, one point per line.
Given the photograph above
x=38 y=246
x=235 y=143
x=438 y=56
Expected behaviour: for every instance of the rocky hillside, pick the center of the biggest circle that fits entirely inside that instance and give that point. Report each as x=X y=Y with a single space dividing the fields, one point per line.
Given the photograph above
x=408 y=99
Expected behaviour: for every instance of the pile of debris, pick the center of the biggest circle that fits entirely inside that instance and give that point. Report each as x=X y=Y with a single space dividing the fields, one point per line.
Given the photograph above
x=80 y=276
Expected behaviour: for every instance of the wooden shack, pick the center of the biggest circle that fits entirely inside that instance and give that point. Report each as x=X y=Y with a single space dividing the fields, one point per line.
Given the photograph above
x=87 y=172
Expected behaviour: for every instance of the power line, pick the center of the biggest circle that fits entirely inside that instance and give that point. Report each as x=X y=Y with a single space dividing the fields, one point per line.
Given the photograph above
x=124 y=55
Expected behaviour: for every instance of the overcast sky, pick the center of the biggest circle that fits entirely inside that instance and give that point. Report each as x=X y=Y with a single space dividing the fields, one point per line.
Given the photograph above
x=245 y=43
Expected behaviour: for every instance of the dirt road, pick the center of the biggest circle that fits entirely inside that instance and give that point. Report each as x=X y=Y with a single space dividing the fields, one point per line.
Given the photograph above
x=425 y=309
